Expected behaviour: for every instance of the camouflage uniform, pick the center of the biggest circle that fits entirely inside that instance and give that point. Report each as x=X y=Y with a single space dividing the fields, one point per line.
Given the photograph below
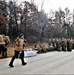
x=69 y=45
x=72 y=43
x=58 y=45
x=63 y=44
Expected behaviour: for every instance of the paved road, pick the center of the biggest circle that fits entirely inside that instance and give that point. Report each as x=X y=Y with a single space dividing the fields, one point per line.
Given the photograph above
x=48 y=63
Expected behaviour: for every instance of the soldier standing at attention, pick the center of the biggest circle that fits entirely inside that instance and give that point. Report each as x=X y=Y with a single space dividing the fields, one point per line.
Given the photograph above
x=69 y=45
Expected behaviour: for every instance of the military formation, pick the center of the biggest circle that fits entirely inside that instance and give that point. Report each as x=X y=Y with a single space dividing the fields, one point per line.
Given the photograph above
x=61 y=44
x=4 y=42
x=57 y=44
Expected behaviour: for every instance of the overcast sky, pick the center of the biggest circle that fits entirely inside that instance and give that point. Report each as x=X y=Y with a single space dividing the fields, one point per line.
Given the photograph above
x=54 y=4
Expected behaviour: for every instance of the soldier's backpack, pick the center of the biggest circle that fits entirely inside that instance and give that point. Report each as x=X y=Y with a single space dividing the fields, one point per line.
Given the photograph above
x=1 y=40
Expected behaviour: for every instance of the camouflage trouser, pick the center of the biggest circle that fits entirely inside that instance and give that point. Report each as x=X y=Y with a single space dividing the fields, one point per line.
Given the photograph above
x=63 y=48
x=4 y=51
x=4 y=54
x=0 y=51
x=59 y=48
x=69 y=48
x=72 y=46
